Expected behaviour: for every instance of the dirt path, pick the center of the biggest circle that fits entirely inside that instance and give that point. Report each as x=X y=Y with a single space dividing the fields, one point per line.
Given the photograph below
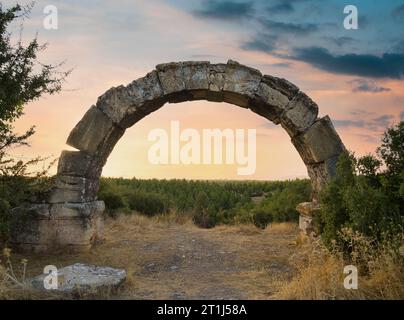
x=171 y=261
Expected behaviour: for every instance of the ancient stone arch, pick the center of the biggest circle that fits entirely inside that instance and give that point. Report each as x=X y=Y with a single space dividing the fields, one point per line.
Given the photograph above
x=70 y=216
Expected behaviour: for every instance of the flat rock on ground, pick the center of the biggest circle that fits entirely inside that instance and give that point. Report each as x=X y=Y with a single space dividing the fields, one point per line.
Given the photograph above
x=83 y=277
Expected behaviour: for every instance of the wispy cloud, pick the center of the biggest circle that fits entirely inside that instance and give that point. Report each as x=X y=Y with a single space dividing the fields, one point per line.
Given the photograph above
x=377 y=124
x=282 y=7
x=230 y=10
x=262 y=42
x=341 y=41
x=365 y=85
x=288 y=27
x=389 y=65
x=398 y=13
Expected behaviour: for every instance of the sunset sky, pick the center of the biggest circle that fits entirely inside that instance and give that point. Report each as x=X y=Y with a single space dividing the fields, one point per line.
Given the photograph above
x=355 y=76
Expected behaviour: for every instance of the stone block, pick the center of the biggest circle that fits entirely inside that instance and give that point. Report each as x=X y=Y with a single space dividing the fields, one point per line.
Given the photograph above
x=306 y=225
x=78 y=164
x=31 y=224
x=283 y=86
x=91 y=131
x=115 y=103
x=82 y=278
x=146 y=95
x=195 y=75
x=75 y=232
x=321 y=173
x=217 y=77
x=300 y=114
x=240 y=79
x=47 y=227
x=171 y=77
x=308 y=208
x=86 y=210
x=319 y=143
x=269 y=102
x=74 y=189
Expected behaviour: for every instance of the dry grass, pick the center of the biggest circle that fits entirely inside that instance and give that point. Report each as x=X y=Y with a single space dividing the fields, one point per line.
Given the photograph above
x=282 y=227
x=236 y=262
x=320 y=276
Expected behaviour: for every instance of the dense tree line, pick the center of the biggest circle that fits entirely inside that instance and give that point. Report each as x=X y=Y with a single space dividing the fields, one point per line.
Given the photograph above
x=209 y=202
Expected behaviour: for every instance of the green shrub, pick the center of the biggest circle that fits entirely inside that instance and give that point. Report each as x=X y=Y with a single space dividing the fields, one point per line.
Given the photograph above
x=262 y=218
x=281 y=204
x=204 y=215
x=148 y=203
x=114 y=202
x=364 y=198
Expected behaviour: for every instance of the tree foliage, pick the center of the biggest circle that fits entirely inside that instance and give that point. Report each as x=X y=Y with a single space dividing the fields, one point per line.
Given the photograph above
x=23 y=78
x=366 y=194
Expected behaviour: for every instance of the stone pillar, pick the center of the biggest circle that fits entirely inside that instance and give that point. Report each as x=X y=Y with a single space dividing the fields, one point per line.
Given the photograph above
x=308 y=211
x=47 y=227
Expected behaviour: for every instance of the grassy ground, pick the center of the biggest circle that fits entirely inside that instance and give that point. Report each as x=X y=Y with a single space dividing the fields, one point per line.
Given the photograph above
x=168 y=257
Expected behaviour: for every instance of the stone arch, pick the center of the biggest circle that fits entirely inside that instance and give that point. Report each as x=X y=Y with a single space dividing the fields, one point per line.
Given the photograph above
x=71 y=215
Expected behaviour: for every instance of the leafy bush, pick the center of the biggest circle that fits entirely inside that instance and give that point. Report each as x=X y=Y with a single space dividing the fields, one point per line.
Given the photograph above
x=262 y=218
x=147 y=203
x=281 y=204
x=204 y=215
x=112 y=197
x=364 y=198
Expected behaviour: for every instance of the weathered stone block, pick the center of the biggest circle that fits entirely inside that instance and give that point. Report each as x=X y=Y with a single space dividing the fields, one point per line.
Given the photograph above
x=283 y=86
x=86 y=210
x=299 y=115
x=78 y=224
x=217 y=77
x=31 y=224
x=236 y=99
x=308 y=217
x=321 y=173
x=319 y=143
x=171 y=77
x=78 y=164
x=269 y=102
x=115 y=103
x=306 y=225
x=82 y=278
x=75 y=232
x=145 y=89
x=74 y=189
x=90 y=132
x=308 y=208
x=43 y=227
x=195 y=75
x=107 y=145
x=179 y=80
x=240 y=79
